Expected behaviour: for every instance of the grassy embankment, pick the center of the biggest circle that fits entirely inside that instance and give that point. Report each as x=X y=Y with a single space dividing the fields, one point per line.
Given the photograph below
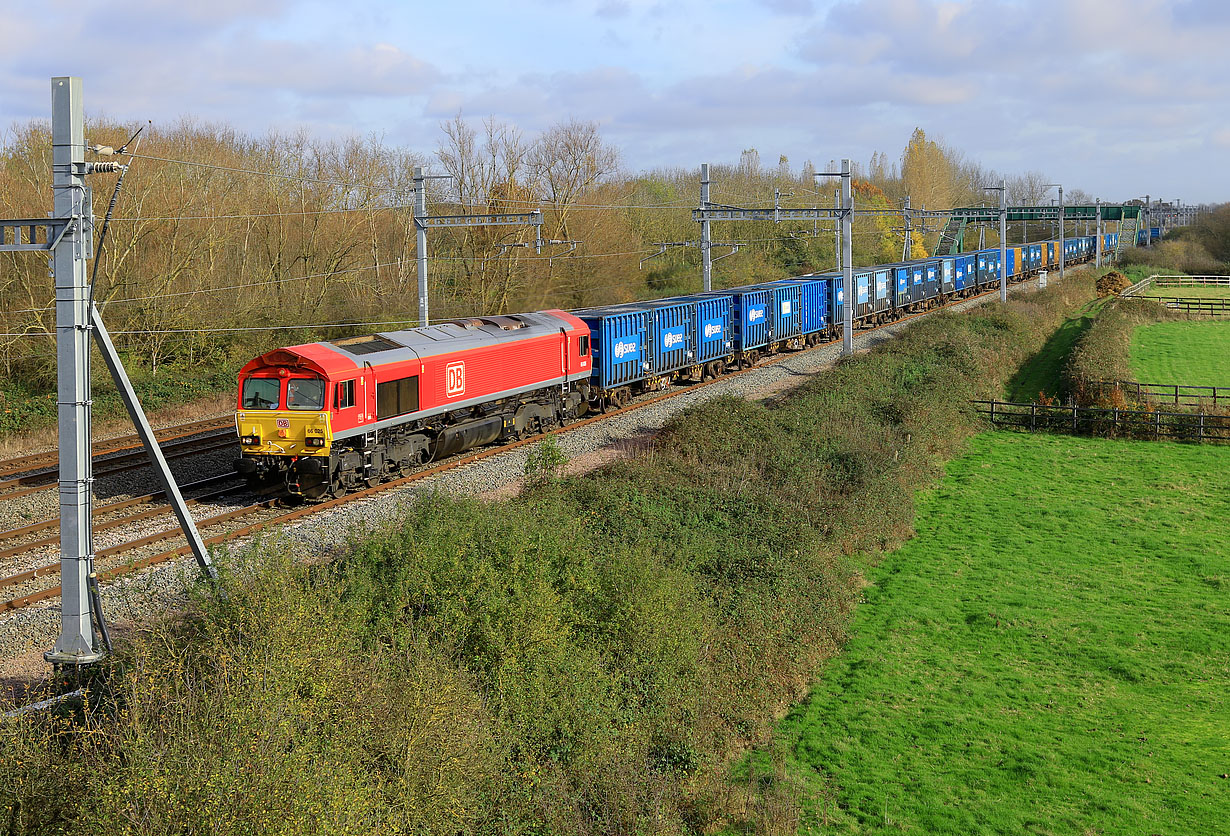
x=1054 y=660
x=28 y=409
x=584 y=658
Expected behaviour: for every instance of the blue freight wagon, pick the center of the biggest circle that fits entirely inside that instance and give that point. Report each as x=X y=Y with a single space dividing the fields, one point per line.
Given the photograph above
x=619 y=344
x=988 y=268
x=882 y=303
x=836 y=299
x=782 y=309
x=931 y=279
x=787 y=324
x=750 y=318
x=672 y=334
x=909 y=280
x=813 y=305
x=963 y=267
x=715 y=338
x=948 y=277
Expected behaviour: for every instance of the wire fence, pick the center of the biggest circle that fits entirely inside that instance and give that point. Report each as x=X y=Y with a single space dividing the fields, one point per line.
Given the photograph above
x=1111 y=422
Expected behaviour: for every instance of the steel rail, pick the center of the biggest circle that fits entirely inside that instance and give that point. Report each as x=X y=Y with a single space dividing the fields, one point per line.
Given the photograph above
x=111 y=508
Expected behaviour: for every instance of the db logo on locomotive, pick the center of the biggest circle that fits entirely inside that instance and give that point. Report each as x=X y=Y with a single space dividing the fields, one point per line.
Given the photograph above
x=455 y=379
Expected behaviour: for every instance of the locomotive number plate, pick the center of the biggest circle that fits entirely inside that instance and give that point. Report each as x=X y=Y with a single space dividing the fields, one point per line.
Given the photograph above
x=283 y=423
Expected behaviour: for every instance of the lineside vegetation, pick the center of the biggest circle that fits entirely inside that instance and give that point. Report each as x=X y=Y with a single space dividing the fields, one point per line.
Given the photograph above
x=584 y=658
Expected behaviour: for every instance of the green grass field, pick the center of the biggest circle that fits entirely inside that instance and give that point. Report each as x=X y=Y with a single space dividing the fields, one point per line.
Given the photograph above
x=1196 y=353
x=1206 y=292
x=1050 y=655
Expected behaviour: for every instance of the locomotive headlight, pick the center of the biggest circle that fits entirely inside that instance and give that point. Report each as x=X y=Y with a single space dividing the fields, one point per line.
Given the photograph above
x=250 y=439
x=315 y=441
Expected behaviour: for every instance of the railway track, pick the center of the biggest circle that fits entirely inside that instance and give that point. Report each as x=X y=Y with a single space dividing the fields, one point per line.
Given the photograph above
x=50 y=458
x=122 y=559
x=188 y=444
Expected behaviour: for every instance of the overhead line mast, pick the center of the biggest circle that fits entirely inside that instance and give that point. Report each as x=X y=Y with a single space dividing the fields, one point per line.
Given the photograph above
x=67 y=237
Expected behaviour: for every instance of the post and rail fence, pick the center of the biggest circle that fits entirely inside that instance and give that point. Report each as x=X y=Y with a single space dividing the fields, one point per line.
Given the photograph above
x=1178 y=394
x=1107 y=421
x=1215 y=308
x=1191 y=281
x=1210 y=306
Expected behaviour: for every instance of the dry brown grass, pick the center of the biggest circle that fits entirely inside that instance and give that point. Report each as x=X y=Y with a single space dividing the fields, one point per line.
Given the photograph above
x=45 y=438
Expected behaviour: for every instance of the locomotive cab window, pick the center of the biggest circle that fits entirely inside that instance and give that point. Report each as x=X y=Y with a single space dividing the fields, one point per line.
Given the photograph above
x=345 y=394
x=305 y=393
x=397 y=397
x=261 y=392
x=584 y=346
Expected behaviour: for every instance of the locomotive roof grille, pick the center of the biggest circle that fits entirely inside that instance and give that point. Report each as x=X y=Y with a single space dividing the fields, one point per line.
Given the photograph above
x=370 y=344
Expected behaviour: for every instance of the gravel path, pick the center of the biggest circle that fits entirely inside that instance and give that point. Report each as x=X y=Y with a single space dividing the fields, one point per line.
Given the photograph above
x=24 y=634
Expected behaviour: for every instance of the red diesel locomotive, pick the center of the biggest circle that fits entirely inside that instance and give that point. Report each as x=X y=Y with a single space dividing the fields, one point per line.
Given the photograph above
x=333 y=416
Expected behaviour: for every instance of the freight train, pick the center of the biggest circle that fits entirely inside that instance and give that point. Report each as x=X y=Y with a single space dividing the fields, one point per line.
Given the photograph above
x=330 y=417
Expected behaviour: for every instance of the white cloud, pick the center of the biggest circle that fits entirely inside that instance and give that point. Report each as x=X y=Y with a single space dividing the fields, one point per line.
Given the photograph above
x=1087 y=90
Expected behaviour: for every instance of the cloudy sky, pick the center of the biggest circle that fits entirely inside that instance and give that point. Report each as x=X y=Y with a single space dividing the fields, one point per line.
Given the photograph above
x=1118 y=97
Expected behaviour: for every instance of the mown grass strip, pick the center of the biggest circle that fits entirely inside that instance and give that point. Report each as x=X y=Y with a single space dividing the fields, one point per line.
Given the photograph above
x=1042 y=376
x=1192 y=353
x=1049 y=654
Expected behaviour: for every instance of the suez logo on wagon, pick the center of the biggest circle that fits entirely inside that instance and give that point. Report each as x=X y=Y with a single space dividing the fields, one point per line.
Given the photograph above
x=623 y=349
x=672 y=338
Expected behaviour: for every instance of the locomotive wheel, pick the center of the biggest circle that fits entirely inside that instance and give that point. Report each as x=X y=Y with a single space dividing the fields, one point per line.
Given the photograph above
x=314 y=487
x=337 y=490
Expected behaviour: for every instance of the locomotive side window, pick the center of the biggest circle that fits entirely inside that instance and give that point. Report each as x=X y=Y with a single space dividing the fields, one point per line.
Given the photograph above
x=584 y=346
x=397 y=397
x=305 y=393
x=345 y=394
x=261 y=393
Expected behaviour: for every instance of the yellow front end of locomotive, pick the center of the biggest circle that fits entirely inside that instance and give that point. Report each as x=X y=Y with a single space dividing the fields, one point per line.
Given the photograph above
x=283 y=433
